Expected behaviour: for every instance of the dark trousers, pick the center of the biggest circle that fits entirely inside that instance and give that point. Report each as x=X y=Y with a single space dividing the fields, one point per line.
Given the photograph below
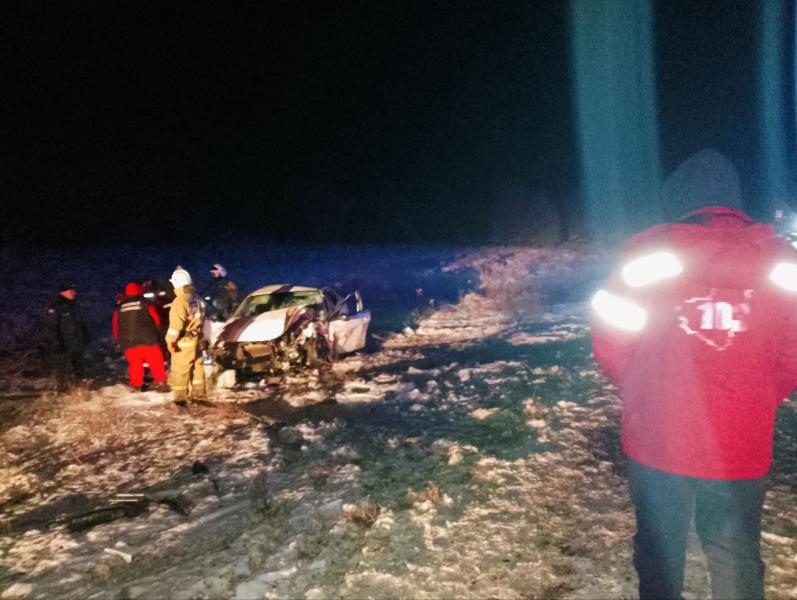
x=728 y=522
x=69 y=367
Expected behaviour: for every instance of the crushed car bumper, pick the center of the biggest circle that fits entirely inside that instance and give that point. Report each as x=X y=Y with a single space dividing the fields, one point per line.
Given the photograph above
x=259 y=357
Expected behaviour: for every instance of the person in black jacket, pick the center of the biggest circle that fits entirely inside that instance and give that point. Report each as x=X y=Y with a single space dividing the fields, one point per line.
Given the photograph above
x=136 y=325
x=221 y=294
x=66 y=338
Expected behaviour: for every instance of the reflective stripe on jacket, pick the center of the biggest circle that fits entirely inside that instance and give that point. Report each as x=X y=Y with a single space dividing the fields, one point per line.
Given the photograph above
x=713 y=349
x=186 y=314
x=134 y=324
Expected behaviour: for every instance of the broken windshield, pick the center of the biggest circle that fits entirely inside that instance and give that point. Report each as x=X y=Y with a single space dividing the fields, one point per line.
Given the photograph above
x=256 y=305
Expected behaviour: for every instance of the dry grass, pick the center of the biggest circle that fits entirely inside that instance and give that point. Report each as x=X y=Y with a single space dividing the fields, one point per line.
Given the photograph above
x=430 y=494
x=318 y=473
x=17 y=492
x=364 y=512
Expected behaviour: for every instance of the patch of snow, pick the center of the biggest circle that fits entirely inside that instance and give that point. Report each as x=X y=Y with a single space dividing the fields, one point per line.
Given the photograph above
x=528 y=498
x=481 y=414
x=17 y=591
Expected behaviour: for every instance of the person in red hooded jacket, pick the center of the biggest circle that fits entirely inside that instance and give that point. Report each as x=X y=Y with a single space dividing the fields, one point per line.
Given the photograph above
x=136 y=325
x=697 y=327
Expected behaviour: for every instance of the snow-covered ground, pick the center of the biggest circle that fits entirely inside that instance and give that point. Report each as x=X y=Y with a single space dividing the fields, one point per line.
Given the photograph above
x=471 y=452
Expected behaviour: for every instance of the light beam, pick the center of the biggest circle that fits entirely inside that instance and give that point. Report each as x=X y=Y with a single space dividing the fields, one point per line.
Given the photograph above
x=616 y=113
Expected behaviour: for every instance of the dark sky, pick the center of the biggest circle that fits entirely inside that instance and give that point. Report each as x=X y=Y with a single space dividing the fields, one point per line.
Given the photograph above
x=398 y=121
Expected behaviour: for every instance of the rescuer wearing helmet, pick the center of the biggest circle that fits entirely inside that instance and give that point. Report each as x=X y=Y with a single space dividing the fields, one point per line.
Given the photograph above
x=183 y=339
x=697 y=328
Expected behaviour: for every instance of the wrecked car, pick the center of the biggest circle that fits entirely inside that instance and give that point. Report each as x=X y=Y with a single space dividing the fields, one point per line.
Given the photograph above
x=278 y=327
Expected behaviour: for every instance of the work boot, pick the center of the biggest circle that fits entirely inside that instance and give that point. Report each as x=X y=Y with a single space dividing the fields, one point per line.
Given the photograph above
x=161 y=387
x=136 y=388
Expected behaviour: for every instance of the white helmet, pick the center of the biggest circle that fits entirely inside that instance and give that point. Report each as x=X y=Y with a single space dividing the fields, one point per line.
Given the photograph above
x=180 y=277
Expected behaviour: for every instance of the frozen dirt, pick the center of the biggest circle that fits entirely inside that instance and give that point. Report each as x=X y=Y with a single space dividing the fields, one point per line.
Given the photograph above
x=471 y=452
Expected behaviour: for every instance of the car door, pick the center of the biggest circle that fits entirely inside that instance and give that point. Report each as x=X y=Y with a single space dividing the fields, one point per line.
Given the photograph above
x=348 y=324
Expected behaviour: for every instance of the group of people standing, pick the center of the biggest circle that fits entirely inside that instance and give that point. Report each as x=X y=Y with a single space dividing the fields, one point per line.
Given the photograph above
x=138 y=328
x=697 y=327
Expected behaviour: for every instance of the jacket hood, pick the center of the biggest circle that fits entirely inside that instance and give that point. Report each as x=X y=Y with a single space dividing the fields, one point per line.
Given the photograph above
x=134 y=289
x=712 y=214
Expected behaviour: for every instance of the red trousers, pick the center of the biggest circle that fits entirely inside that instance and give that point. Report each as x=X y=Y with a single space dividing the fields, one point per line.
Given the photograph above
x=136 y=357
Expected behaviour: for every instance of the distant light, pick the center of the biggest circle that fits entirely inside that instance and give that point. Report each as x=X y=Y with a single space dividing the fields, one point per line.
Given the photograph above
x=618 y=312
x=784 y=275
x=651 y=269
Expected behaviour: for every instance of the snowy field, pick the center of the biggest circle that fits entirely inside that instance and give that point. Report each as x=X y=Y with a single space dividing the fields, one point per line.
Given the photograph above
x=471 y=452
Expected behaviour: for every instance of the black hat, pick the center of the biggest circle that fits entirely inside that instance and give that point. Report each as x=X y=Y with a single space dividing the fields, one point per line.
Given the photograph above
x=64 y=286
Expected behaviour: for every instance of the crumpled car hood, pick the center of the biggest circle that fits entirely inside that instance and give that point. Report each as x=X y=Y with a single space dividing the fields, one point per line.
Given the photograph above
x=258 y=328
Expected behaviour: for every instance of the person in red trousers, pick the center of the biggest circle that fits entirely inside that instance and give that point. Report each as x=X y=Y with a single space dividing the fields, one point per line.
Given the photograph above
x=136 y=327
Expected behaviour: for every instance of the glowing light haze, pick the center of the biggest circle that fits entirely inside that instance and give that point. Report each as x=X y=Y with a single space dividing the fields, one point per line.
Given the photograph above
x=785 y=276
x=772 y=124
x=616 y=114
x=651 y=269
x=619 y=312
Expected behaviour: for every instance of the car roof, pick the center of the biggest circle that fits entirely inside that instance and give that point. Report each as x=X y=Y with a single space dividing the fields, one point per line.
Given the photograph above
x=282 y=287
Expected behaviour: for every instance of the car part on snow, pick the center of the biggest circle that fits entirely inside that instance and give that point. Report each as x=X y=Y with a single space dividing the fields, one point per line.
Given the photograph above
x=125 y=506
x=128 y=558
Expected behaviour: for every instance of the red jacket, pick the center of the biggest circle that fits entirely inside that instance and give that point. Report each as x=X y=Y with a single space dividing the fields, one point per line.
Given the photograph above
x=710 y=346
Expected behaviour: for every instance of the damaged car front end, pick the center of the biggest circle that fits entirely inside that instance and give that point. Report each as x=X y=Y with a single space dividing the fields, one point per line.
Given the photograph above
x=280 y=327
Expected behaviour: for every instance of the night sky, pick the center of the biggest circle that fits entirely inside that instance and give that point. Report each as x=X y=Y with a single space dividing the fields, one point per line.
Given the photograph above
x=332 y=121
